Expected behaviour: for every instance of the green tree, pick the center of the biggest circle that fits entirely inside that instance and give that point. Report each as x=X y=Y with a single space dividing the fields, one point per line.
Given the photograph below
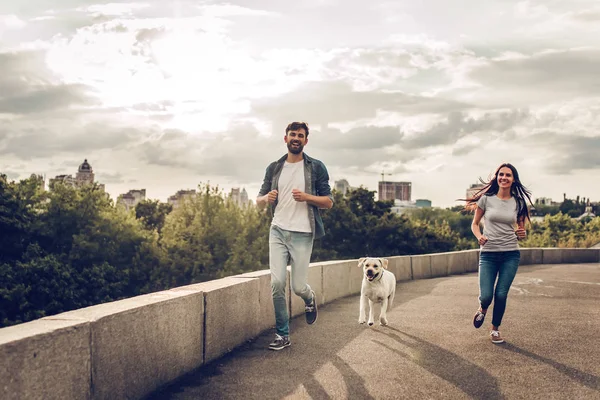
x=152 y=214
x=358 y=225
x=198 y=236
x=250 y=250
x=18 y=209
x=457 y=220
x=560 y=230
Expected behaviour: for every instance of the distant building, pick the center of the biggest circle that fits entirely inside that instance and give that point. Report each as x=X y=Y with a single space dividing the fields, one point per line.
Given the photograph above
x=395 y=190
x=546 y=201
x=423 y=203
x=342 y=186
x=588 y=212
x=130 y=199
x=474 y=188
x=180 y=196
x=402 y=206
x=84 y=176
x=239 y=197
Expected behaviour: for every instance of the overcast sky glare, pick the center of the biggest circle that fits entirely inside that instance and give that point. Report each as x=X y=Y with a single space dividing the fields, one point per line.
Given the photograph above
x=164 y=95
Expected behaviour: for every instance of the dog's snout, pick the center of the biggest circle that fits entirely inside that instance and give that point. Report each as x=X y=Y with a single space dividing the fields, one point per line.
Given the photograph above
x=370 y=272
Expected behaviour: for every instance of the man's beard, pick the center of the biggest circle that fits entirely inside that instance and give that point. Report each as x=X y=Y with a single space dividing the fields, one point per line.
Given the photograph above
x=295 y=150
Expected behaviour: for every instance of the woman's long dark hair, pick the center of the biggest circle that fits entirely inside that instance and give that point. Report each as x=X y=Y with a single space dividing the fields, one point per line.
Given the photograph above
x=520 y=192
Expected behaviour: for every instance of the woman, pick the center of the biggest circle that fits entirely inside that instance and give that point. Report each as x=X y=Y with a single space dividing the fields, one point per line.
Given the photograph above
x=502 y=205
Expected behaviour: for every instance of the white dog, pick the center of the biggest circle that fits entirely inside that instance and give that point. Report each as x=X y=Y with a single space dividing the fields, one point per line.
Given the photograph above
x=378 y=286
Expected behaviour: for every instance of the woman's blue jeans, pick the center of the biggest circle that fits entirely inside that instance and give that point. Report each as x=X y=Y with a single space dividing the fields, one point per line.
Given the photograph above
x=502 y=265
x=295 y=248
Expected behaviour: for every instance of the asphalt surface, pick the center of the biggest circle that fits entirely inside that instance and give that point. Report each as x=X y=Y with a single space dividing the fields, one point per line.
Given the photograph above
x=430 y=350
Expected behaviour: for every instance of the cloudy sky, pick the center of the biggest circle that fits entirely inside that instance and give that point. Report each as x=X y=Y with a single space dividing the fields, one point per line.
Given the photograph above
x=166 y=95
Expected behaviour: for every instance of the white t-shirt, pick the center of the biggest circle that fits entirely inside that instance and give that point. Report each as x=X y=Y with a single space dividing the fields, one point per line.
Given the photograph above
x=290 y=214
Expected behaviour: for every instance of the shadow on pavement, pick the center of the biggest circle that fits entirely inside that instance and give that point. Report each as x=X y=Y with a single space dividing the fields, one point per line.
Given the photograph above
x=253 y=372
x=463 y=374
x=589 y=380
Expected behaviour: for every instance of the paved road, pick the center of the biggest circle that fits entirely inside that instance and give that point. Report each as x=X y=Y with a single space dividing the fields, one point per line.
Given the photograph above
x=430 y=350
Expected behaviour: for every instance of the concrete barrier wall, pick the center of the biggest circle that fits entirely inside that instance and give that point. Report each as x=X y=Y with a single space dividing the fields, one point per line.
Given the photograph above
x=579 y=256
x=439 y=264
x=421 y=266
x=46 y=360
x=168 y=323
x=462 y=262
x=337 y=280
x=231 y=314
x=266 y=318
x=128 y=348
x=401 y=266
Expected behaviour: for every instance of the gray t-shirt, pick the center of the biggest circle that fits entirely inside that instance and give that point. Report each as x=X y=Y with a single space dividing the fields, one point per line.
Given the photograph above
x=499 y=223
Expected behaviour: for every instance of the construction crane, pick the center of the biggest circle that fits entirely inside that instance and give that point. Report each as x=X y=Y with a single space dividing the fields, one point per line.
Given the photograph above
x=382 y=176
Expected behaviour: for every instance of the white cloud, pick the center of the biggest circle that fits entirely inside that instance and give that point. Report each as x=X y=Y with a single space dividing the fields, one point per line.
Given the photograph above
x=231 y=10
x=591 y=15
x=113 y=9
x=531 y=10
x=10 y=22
x=167 y=95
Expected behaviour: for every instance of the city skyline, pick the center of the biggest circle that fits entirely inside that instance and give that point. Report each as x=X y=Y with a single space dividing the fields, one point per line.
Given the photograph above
x=240 y=194
x=165 y=96
x=470 y=190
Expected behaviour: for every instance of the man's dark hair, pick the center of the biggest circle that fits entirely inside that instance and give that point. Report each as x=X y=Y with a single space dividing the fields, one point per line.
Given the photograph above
x=294 y=126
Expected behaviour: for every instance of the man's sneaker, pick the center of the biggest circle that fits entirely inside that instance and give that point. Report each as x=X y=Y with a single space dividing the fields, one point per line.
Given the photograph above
x=280 y=342
x=311 y=310
x=478 y=319
x=496 y=338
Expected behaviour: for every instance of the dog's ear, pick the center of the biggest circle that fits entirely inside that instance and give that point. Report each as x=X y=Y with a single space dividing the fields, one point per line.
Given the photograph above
x=384 y=262
x=361 y=261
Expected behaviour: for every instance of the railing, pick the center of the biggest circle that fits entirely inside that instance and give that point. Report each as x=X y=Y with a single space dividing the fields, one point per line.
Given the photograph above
x=129 y=348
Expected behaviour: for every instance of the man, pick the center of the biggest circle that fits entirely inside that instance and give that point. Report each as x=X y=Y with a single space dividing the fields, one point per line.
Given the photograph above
x=296 y=186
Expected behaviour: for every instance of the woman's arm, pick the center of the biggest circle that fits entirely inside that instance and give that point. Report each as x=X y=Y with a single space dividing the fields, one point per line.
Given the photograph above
x=475 y=226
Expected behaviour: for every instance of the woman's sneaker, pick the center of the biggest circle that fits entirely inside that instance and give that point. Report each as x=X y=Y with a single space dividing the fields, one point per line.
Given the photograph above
x=478 y=319
x=496 y=338
x=280 y=342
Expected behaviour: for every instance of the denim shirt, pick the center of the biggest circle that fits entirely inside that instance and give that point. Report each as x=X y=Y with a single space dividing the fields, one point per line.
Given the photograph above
x=316 y=179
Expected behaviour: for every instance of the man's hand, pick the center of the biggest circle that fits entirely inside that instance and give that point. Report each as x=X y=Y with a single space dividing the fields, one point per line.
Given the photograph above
x=272 y=196
x=299 y=195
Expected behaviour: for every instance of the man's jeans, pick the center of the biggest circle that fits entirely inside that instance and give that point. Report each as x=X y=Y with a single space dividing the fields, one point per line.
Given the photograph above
x=492 y=264
x=295 y=247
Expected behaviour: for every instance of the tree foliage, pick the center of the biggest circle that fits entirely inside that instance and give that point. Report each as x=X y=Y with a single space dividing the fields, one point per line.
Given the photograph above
x=561 y=230
x=358 y=226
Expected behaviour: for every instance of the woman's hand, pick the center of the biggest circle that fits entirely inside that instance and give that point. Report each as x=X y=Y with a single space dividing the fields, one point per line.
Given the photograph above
x=521 y=233
x=482 y=240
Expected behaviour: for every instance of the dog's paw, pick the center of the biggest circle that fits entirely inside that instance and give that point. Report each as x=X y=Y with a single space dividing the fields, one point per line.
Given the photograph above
x=383 y=322
x=362 y=321
x=371 y=323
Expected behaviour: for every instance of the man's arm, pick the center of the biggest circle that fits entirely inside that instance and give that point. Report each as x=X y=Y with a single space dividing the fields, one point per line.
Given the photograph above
x=320 y=201
x=261 y=201
x=317 y=201
x=265 y=190
x=323 y=199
